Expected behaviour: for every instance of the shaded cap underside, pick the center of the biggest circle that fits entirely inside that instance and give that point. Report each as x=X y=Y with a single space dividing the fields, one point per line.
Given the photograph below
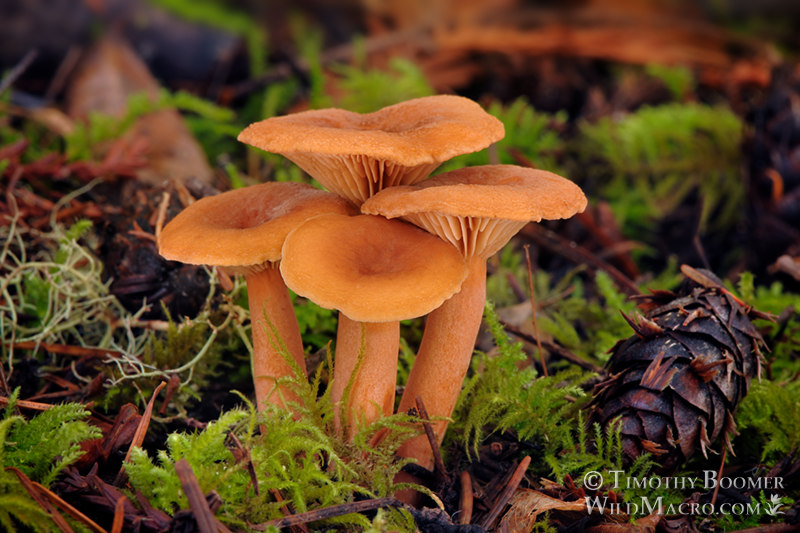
x=370 y=268
x=358 y=177
x=479 y=209
x=356 y=155
x=244 y=227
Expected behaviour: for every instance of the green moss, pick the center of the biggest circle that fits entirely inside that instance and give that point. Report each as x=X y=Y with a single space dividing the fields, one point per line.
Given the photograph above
x=317 y=325
x=366 y=90
x=209 y=123
x=646 y=164
x=45 y=444
x=504 y=392
x=783 y=337
x=678 y=79
x=297 y=459
x=41 y=447
x=769 y=417
x=56 y=294
x=531 y=134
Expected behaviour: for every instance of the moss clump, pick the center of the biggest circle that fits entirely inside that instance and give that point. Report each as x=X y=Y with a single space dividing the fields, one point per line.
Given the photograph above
x=40 y=447
x=646 y=164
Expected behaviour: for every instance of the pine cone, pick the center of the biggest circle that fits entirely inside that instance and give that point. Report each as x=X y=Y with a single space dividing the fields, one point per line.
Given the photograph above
x=676 y=384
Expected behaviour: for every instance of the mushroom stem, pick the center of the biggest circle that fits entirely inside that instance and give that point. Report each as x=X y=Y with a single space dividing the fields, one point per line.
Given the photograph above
x=371 y=393
x=274 y=329
x=443 y=358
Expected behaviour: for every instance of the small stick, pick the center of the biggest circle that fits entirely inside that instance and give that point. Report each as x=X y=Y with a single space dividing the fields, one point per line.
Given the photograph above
x=138 y=436
x=515 y=288
x=43 y=502
x=119 y=515
x=438 y=464
x=554 y=349
x=62 y=74
x=197 y=501
x=527 y=248
x=242 y=455
x=51 y=395
x=66 y=349
x=26 y=404
x=23 y=64
x=580 y=255
x=69 y=509
x=4 y=382
x=505 y=496
x=138 y=232
x=162 y=214
x=173 y=384
x=467 y=498
x=224 y=278
x=329 y=512
x=698 y=247
x=719 y=475
x=286 y=511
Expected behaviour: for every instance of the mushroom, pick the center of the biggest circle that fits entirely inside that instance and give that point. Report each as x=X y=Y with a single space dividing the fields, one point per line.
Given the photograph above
x=356 y=155
x=243 y=231
x=478 y=209
x=376 y=272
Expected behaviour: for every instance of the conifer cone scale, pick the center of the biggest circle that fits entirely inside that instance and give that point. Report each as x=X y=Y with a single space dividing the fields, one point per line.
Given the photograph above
x=675 y=384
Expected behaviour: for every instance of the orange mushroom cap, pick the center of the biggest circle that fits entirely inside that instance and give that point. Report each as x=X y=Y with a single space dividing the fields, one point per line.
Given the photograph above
x=370 y=268
x=355 y=155
x=244 y=228
x=479 y=209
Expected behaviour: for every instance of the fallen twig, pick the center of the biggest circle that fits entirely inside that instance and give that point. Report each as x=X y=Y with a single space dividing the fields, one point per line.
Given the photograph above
x=206 y=523
x=508 y=491
x=554 y=349
x=47 y=498
x=18 y=69
x=25 y=404
x=438 y=465
x=119 y=515
x=527 y=248
x=329 y=512
x=138 y=437
x=578 y=254
x=467 y=498
x=40 y=499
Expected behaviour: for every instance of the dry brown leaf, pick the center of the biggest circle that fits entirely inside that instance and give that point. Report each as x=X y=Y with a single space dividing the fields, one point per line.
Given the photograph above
x=788 y=265
x=527 y=505
x=107 y=77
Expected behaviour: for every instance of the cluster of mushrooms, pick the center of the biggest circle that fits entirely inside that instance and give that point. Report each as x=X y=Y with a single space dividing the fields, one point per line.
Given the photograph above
x=387 y=243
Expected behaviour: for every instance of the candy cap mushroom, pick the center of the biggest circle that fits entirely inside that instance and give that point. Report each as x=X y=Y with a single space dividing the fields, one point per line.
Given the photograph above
x=376 y=272
x=477 y=209
x=243 y=231
x=480 y=208
x=356 y=155
x=370 y=268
